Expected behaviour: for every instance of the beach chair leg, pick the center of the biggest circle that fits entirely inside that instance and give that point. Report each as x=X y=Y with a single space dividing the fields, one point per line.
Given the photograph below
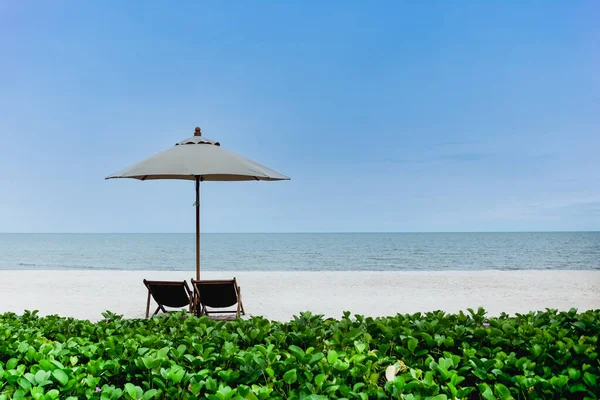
x=148 y=305
x=159 y=308
x=240 y=301
x=197 y=307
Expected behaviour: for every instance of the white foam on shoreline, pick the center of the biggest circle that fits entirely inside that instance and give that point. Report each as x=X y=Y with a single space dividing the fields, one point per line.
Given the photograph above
x=280 y=295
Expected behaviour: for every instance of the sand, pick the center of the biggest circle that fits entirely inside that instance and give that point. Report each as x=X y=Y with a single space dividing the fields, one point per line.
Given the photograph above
x=281 y=295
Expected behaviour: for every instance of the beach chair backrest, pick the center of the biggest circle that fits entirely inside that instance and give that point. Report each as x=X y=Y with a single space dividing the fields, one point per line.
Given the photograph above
x=217 y=293
x=170 y=294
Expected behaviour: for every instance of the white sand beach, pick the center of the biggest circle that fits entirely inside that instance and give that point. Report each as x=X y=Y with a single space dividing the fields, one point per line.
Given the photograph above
x=280 y=295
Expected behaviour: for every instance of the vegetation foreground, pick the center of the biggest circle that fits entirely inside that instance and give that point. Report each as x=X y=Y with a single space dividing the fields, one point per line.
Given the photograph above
x=435 y=355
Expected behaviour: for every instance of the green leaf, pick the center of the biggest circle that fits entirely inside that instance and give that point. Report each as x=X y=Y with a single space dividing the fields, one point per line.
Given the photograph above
x=24 y=383
x=148 y=362
x=332 y=389
x=486 y=392
x=162 y=353
x=319 y=379
x=580 y=348
x=452 y=388
x=211 y=385
x=316 y=397
x=445 y=374
x=196 y=388
x=297 y=352
x=41 y=376
x=456 y=380
x=446 y=363
x=12 y=363
x=428 y=379
x=60 y=376
x=46 y=365
x=150 y=394
x=590 y=380
x=580 y=325
x=578 y=387
x=176 y=374
x=574 y=374
x=360 y=347
x=536 y=350
x=502 y=392
x=354 y=333
x=332 y=356
x=250 y=396
x=412 y=344
x=23 y=347
x=290 y=376
x=135 y=392
x=341 y=365
x=558 y=382
x=316 y=358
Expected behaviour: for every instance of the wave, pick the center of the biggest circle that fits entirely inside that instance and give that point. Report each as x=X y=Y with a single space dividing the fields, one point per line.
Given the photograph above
x=70 y=267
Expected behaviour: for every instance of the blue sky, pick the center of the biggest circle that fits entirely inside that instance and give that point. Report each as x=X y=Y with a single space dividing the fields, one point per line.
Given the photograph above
x=388 y=116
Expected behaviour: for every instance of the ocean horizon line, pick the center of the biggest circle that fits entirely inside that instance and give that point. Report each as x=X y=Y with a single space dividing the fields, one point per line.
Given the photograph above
x=289 y=233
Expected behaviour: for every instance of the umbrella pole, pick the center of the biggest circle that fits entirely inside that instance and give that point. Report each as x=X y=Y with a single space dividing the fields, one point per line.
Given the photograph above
x=197 y=228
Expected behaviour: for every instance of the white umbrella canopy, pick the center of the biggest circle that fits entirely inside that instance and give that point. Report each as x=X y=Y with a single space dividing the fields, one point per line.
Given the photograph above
x=199 y=159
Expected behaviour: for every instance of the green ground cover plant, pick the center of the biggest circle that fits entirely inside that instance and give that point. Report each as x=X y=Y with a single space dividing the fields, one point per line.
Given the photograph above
x=539 y=355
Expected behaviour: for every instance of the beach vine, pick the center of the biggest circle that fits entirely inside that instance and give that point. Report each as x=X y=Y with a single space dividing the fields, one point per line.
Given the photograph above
x=546 y=354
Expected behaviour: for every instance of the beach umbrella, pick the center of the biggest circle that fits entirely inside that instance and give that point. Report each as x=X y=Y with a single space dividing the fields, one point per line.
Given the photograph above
x=199 y=159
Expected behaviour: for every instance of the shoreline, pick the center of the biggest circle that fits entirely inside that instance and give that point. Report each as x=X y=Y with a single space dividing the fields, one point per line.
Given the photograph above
x=278 y=295
x=211 y=271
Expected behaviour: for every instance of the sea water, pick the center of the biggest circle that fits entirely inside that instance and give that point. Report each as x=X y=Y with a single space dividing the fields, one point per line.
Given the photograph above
x=304 y=251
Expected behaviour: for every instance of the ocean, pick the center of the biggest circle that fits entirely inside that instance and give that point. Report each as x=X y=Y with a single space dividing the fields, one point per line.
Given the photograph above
x=304 y=251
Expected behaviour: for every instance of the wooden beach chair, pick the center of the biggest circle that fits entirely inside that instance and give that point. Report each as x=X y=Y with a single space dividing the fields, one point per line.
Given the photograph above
x=212 y=296
x=174 y=294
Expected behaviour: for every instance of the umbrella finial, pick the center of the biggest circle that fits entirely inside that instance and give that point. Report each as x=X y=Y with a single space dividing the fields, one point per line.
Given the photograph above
x=198 y=131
